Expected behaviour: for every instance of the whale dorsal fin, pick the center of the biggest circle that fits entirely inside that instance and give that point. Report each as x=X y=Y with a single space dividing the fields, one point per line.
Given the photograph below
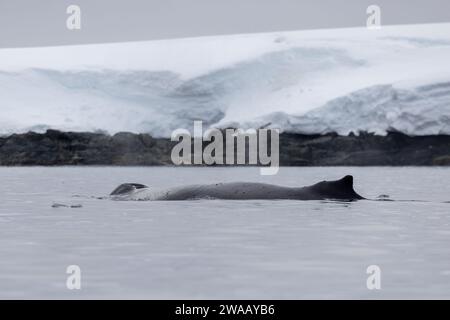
x=338 y=189
x=345 y=186
x=127 y=188
x=347 y=182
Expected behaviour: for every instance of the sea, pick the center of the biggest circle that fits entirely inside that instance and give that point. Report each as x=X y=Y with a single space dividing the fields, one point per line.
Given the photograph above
x=54 y=220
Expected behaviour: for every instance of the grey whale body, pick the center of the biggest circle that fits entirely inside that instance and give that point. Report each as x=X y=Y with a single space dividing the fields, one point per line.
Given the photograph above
x=338 y=190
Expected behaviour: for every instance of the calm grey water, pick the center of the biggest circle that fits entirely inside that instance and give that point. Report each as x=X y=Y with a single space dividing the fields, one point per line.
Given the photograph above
x=223 y=249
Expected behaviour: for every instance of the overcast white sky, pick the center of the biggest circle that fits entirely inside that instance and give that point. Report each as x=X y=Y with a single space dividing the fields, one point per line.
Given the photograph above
x=43 y=22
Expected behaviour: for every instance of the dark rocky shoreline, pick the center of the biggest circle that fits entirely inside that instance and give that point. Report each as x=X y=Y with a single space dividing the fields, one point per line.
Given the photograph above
x=128 y=149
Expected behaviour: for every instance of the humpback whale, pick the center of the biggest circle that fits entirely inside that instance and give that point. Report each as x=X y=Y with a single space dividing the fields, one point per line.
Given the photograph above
x=334 y=190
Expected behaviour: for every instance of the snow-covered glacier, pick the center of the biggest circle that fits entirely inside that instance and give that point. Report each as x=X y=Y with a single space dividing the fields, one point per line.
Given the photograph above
x=315 y=81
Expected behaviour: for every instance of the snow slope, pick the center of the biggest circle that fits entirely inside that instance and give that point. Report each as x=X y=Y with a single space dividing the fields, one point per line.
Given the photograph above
x=343 y=80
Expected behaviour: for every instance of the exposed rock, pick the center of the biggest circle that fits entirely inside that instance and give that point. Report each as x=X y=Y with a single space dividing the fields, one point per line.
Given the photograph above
x=75 y=148
x=442 y=161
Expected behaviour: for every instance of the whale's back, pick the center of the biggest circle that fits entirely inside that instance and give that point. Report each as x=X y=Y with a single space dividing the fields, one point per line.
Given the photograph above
x=339 y=189
x=230 y=191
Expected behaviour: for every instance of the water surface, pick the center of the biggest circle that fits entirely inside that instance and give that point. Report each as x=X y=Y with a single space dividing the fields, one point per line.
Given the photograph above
x=223 y=249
